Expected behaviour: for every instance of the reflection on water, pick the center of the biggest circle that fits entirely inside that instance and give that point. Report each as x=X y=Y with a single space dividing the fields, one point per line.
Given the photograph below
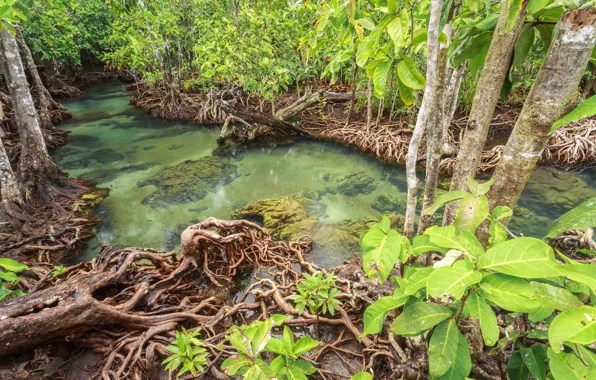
x=123 y=149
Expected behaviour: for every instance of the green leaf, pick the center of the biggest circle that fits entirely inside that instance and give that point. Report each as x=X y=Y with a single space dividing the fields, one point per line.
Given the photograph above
x=463 y=362
x=442 y=348
x=534 y=358
x=11 y=265
x=380 y=78
x=480 y=310
x=510 y=293
x=586 y=109
x=421 y=244
x=259 y=371
x=305 y=367
x=546 y=35
x=582 y=273
x=381 y=252
x=516 y=368
x=419 y=317
x=471 y=48
x=446 y=237
x=522 y=257
x=537 y=5
x=489 y=23
x=577 y=325
x=501 y=212
x=472 y=211
x=554 y=297
x=453 y=280
x=443 y=200
x=478 y=188
x=513 y=10
x=582 y=216
x=9 y=277
x=409 y=74
x=374 y=315
x=473 y=5
x=304 y=345
x=405 y=93
x=566 y=366
x=261 y=337
x=522 y=46
x=397 y=34
x=418 y=280
x=362 y=376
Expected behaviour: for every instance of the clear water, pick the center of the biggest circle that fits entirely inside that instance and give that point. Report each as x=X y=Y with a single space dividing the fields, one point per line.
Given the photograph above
x=119 y=146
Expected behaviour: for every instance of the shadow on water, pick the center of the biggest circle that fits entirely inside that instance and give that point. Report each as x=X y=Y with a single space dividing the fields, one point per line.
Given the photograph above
x=162 y=177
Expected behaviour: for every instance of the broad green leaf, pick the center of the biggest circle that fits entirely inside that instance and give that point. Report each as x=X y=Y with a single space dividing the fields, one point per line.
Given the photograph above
x=471 y=48
x=537 y=5
x=9 y=277
x=586 y=109
x=397 y=33
x=513 y=10
x=304 y=345
x=12 y=265
x=442 y=200
x=471 y=213
x=463 y=362
x=516 y=368
x=380 y=78
x=489 y=23
x=362 y=375
x=582 y=273
x=261 y=337
x=453 y=280
x=381 y=252
x=277 y=346
x=501 y=212
x=473 y=5
x=582 y=216
x=446 y=237
x=4 y=292
x=522 y=257
x=534 y=358
x=304 y=366
x=510 y=293
x=554 y=297
x=566 y=366
x=480 y=310
x=546 y=35
x=478 y=188
x=522 y=46
x=259 y=371
x=498 y=233
x=577 y=325
x=405 y=93
x=421 y=244
x=442 y=348
x=409 y=74
x=419 y=317
x=374 y=315
x=418 y=281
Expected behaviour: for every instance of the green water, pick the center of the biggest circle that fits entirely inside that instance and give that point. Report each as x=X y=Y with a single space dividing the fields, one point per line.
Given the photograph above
x=119 y=146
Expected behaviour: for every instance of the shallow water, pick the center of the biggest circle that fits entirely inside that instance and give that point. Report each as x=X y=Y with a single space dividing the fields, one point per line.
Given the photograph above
x=119 y=146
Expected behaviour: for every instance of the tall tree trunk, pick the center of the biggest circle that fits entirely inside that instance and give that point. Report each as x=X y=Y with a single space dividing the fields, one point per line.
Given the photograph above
x=423 y=115
x=353 y=100
x=37 y=174
x=492 y=77
x=9 y=190
x=452 y=87
x=553 y=95
x=38 y=87
x=435 y=133
x=369 y=108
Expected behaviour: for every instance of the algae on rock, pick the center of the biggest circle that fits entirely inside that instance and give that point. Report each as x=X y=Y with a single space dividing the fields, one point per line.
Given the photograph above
x=189 y=181
x=390 y=203
x=356 y=183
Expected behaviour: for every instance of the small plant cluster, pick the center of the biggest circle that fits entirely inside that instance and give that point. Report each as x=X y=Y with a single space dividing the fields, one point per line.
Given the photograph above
x=318 y=293
x=520 y=277
x=188 y=353
x=9 y=277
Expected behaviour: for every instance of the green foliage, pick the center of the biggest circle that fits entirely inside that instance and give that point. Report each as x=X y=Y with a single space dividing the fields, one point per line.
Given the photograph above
x=10 y=16
x=586 y=109
x=250 y=341
x=187 y=353
x=520 y=277
x=318 y=293
x=583 y=216
x=59 y=270
x=9 y=277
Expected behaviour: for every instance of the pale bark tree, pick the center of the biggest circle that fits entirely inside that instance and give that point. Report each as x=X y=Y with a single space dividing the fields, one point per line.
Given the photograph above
x=9 y=189
x=488 y=88
x=432 y=81
x=37 y=175
x=554 y=94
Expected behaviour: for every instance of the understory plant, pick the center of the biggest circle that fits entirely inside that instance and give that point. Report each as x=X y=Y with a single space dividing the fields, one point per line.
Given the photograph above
x=317 y=292
x=9 y=277
x=530 y=306
x=251 y=341
x=188 y=353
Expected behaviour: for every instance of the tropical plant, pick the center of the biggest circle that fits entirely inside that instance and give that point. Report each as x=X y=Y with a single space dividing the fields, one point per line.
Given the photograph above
x=318 y=293
x=520 y=277
x=9 y=277
x=188 y=353
x=253 y=340
x=59 y=270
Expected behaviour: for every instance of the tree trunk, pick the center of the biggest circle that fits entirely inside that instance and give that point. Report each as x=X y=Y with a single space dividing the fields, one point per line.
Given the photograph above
x=38 y=87
x=353 y=99
x=369 y=108
x=423 y=115
x=492 y=77
x=9 y=189
x=553 y=95
x=453 y=85
x=37 y=174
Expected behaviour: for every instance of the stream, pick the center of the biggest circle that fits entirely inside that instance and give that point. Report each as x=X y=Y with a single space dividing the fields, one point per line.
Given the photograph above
x=129 y=152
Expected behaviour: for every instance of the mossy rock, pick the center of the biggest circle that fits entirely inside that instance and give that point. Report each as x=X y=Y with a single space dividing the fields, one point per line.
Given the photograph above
x=528 y=222
x=106 y=156
x=391 y=203
x=189 y=181
x=107 y=175
x=356 y=183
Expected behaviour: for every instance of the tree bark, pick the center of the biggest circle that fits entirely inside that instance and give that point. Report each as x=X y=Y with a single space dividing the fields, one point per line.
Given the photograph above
x=423 y=115
x=37 y=174
x=492 y=77
x=9 y=189
x=369 y=108
x=353 y=98
x=44 y=103
x=553 y=95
